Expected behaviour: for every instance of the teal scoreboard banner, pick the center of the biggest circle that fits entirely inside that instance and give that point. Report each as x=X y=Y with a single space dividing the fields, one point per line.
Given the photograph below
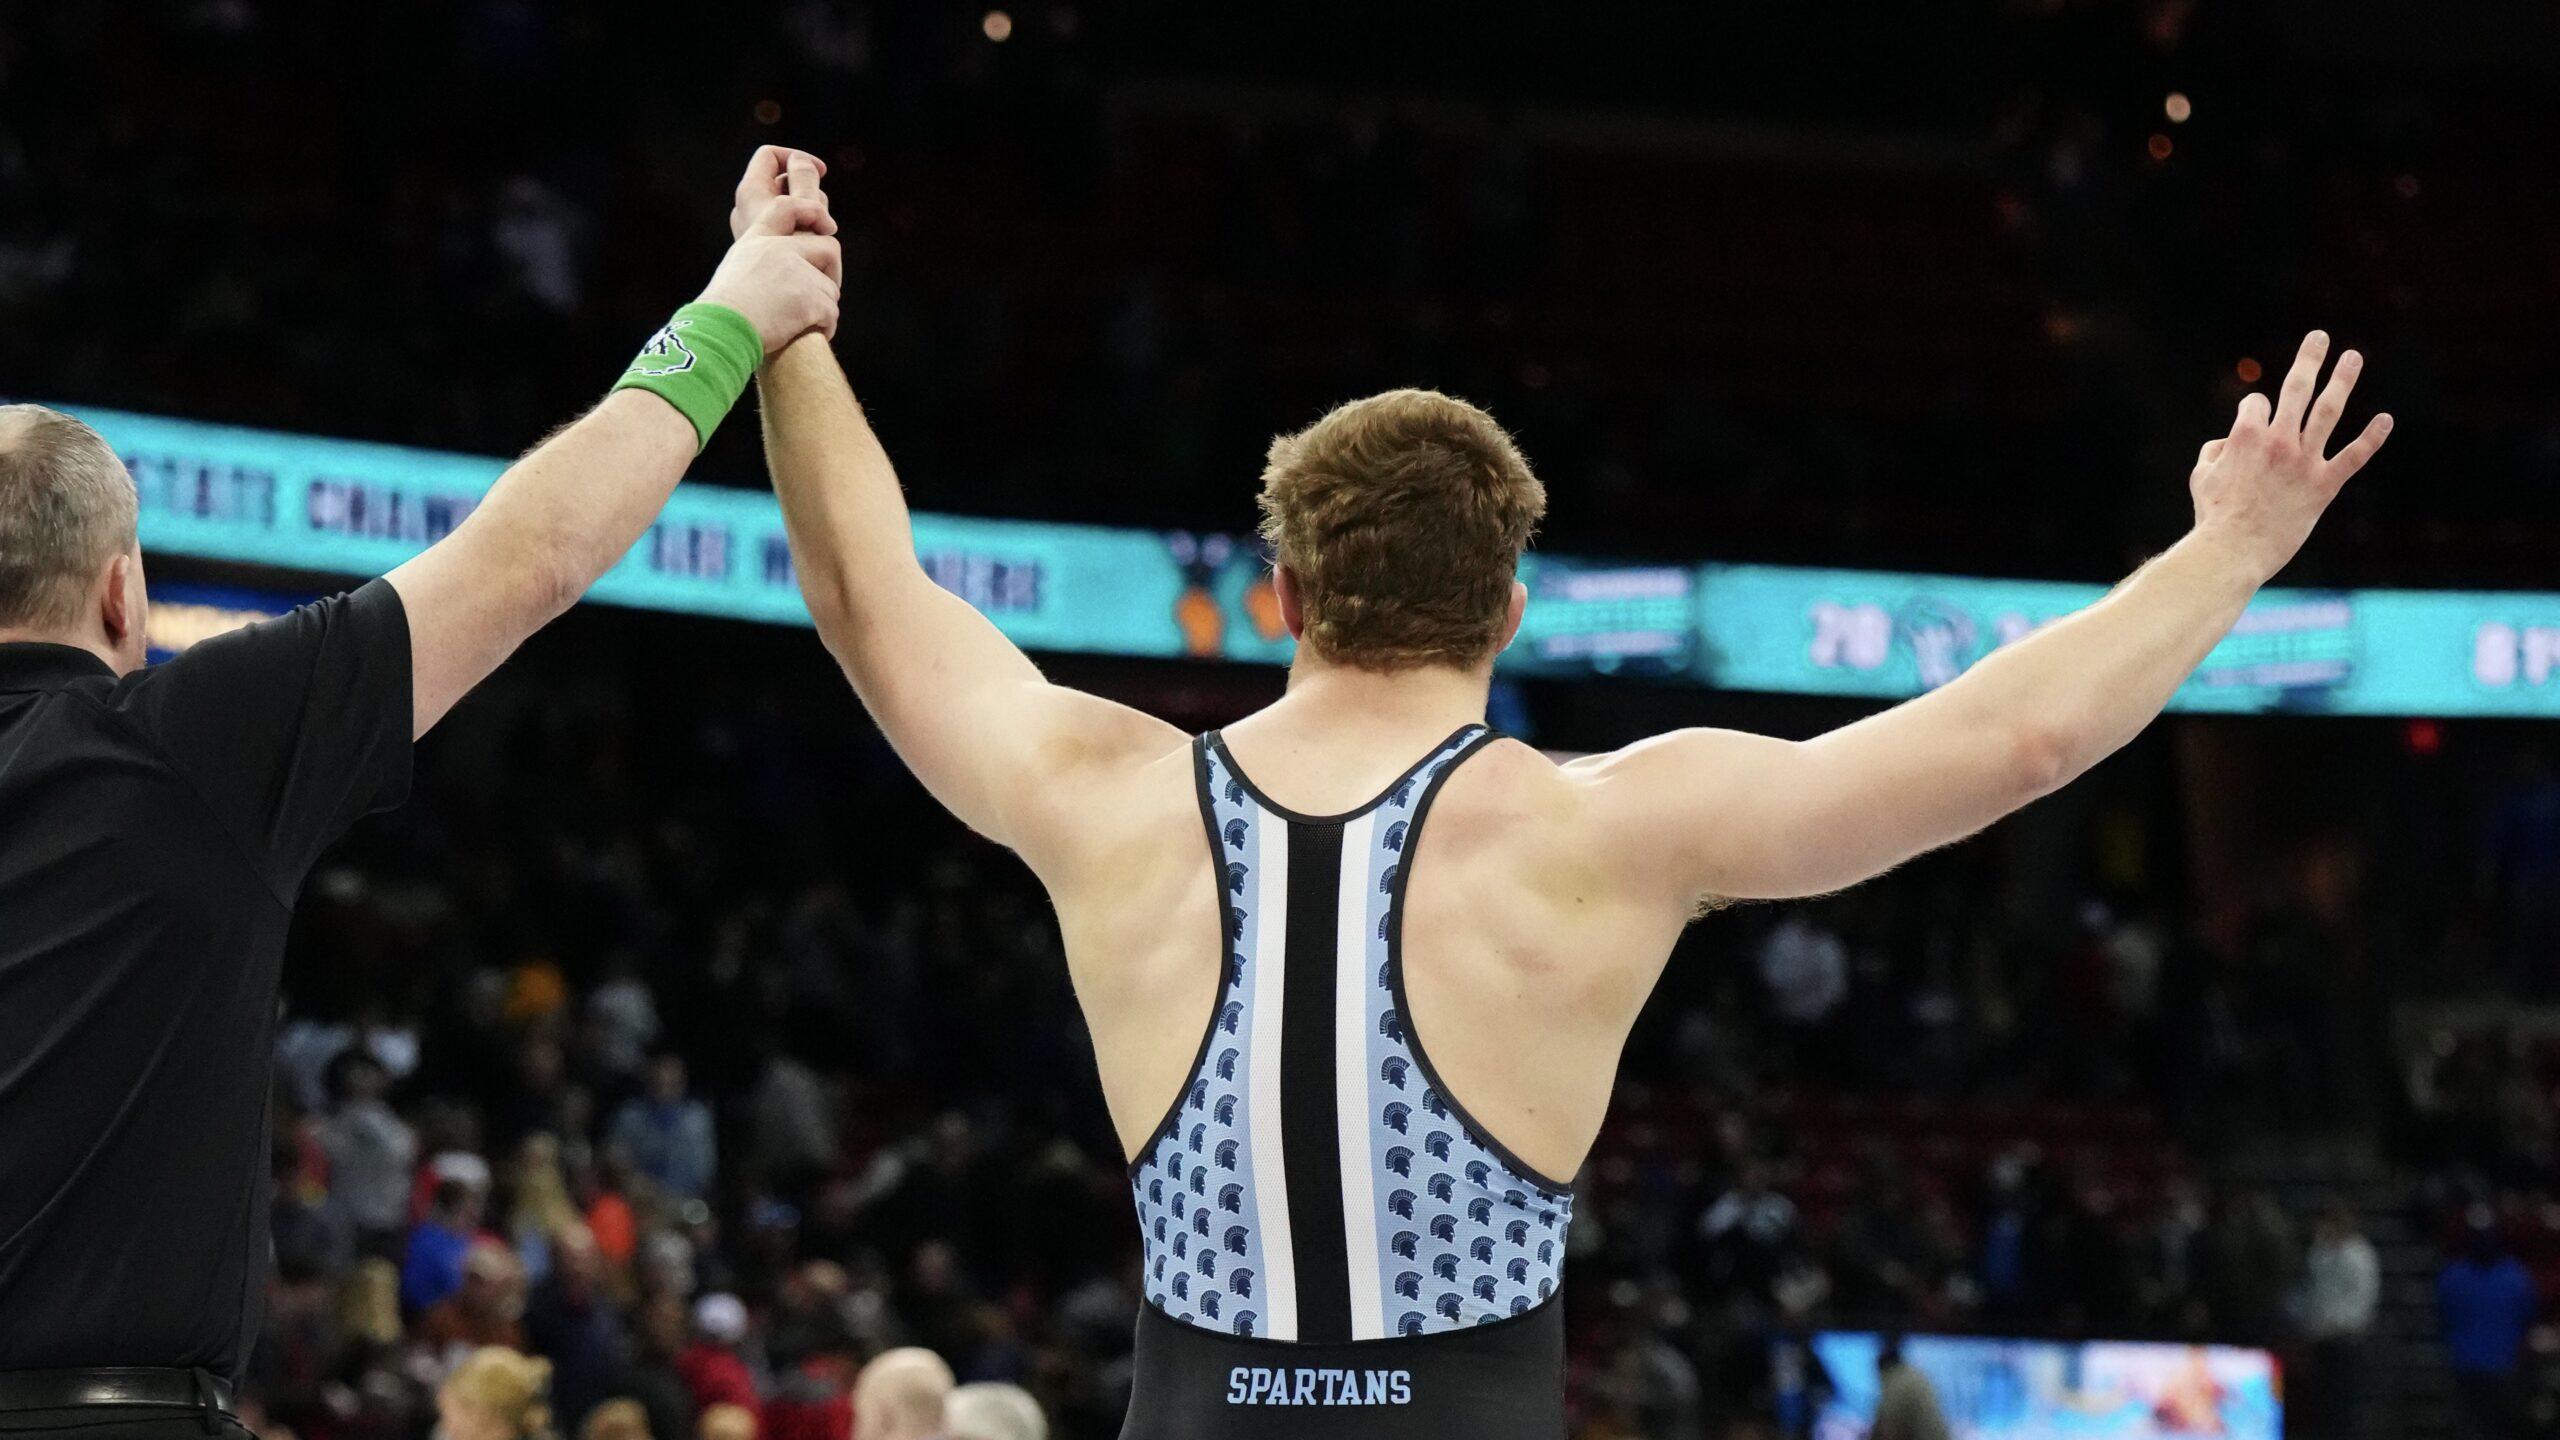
x=258 y=497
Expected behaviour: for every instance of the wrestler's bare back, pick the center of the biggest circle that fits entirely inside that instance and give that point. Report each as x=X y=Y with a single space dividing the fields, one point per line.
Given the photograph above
x=1527 y=952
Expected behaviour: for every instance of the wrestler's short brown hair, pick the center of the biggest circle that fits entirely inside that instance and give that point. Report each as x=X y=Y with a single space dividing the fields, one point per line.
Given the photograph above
x=1401 y=519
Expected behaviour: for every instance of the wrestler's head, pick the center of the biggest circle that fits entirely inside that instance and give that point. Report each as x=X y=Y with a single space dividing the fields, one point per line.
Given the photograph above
x=1397 y=523
x=70 y=563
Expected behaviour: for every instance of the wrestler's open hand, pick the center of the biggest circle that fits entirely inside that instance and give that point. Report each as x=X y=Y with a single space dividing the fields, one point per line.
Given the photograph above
x=2259 y=489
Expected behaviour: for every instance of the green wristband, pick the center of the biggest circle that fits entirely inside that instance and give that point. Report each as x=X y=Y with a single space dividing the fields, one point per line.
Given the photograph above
x=700 y=362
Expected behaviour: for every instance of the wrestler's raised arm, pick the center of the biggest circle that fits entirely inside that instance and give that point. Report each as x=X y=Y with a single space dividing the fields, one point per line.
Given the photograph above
x=997 y=743
x=1718 y=814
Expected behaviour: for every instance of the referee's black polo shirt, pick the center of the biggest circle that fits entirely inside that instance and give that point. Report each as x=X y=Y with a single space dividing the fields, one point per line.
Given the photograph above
x=154 y=832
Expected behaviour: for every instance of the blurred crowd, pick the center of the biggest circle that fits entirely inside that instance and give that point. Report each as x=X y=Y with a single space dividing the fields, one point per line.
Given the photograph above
x=670 y=1036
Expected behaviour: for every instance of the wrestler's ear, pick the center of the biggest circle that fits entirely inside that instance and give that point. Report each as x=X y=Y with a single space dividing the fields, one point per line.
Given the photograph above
x=1284 y=588
x=1511 y=622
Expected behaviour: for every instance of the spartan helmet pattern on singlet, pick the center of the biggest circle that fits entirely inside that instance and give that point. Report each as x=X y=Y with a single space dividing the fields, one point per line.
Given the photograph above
x=1314 y=1182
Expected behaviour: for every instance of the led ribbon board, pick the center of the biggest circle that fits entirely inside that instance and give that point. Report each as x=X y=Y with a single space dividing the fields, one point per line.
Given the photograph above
x=339 y=507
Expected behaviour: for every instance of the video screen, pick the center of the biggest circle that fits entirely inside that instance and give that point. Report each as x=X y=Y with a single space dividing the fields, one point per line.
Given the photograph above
x=2043 y=1390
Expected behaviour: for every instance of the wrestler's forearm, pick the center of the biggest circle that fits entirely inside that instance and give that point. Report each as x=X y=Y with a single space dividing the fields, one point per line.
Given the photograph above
x=954 y=696
x=1737 y=816
x=852 y=541
x=2084 y=685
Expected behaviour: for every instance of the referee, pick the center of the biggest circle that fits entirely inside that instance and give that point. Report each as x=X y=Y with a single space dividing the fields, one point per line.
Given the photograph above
x=156 y=825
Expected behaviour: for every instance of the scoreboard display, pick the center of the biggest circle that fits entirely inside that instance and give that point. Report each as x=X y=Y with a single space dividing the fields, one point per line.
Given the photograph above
x=336 y=507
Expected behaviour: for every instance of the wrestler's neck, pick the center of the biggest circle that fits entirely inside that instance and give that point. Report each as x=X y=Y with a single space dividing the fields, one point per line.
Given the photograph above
x=1424 y=700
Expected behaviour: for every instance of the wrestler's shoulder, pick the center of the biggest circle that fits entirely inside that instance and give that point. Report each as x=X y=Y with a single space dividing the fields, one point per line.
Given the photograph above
x=1510 y=784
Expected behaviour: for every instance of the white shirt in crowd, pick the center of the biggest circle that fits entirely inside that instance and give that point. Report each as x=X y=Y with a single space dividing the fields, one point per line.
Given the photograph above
x=1806 y=969
x=372 y=1155
x=2342 y=1286
x=625 y=1016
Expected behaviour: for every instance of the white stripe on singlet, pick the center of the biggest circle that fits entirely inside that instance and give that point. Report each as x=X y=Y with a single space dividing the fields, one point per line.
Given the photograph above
x=1263 y=1099
x=1351 y=1079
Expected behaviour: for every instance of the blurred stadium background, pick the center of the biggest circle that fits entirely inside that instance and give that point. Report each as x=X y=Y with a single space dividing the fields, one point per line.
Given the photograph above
x=670 y=985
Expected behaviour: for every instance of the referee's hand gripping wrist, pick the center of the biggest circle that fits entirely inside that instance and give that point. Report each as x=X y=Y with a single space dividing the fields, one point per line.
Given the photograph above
x=778 y=282
x=786 y=270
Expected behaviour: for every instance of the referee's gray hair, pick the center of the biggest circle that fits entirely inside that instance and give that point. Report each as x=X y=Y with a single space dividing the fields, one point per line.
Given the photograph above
x=66 y=505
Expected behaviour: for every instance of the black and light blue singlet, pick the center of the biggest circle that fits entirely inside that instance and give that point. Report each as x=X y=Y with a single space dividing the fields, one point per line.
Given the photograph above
x=1333 y=1249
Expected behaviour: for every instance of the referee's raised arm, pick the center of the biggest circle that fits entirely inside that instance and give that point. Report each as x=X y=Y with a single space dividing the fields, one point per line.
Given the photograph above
x=156 y=825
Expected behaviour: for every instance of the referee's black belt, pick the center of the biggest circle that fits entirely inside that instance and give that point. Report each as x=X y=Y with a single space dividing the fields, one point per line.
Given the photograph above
x=113 y=1386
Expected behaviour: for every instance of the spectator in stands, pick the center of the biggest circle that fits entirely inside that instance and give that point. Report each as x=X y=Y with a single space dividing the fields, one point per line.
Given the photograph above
x=536 y=1097
x=664 y=1265
x=901 y=1396
x=810 y=1312
x=814 y=1399
x=2255 y=1255
x=2095 y=1264
x=1749 y=1234
x=2173 y=1256
x=1805 y=966
x=2342 y=1288
x=369 y=1304
x=2484 y=1308
x=712 y=1366
x=2522 y=865
x=622 y=1021
x=794 y=1139
x=305 y=1222
x=653 y=1374
x=1643 y=1381
x=372 y=1152
x=667 y=1133
x=432 y=1268
x=1907 y=1405
x=726 y=1422
x=450 y=1134
x=993 y=1412
x=939 y=1304
x=486 y=1310
x=543 y=1211
x=595 y=1184
x=2008 y=1223
x=571 y=1319
x=812 y=1346
x=495 y=1394
x=616 y=1420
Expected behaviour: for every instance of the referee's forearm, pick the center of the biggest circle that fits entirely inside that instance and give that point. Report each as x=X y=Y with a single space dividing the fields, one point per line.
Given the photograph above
x=555 y=522
x=578 y=503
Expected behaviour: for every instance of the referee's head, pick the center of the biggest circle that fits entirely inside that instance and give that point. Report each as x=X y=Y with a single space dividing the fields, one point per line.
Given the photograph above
x=70 y=564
